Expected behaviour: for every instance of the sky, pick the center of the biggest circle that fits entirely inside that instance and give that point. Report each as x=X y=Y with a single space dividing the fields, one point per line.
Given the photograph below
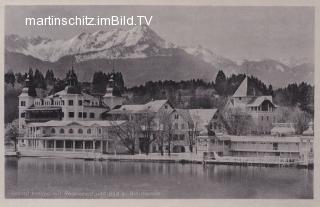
x=237 y=33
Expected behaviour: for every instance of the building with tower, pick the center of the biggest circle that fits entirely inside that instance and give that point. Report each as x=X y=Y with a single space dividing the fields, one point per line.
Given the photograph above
x=261 y=107
x=69 y=119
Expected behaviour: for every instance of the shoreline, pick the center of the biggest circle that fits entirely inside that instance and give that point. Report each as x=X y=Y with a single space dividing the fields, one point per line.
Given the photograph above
x=165 y=159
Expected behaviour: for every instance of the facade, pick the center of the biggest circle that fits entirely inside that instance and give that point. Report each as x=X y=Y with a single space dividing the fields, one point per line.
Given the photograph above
x=70 y=104
x=261 y=108
x=290 y=146
x=69 y=137
x=39 y=117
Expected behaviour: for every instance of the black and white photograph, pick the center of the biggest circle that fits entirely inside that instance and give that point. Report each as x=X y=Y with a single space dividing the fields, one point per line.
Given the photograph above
x=158 y=102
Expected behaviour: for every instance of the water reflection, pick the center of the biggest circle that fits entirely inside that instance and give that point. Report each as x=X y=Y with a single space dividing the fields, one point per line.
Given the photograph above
x=76 y=178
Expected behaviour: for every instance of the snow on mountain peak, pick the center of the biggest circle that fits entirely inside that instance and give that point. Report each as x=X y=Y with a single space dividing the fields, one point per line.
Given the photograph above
x=133 y=39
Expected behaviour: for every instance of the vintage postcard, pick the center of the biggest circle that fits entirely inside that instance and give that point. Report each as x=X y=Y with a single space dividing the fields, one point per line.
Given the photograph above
x=147 y=101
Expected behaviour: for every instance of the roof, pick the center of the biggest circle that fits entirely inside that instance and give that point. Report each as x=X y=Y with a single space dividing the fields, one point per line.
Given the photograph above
x=54 y=123
x=310 y=130
x=153 y=106
x=202 y=117
x=185 y=114
x=257 y=101
x=283 y=128
x=128 y=109
x=247 y=88
x=242 y=89
x=292 y=139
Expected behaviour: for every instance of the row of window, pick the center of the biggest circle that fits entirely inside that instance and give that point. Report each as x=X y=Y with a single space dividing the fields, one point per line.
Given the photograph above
x=267 y=118
x=70 y=115
x=81 y=115
x=59 y=102
x=177 y=137
x=71 y=131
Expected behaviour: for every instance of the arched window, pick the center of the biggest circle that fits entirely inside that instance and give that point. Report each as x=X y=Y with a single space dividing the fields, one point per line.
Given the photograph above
x=53 y=131
x=70 y=131
x=88 y=131
x=80 y=131
x=61 y=131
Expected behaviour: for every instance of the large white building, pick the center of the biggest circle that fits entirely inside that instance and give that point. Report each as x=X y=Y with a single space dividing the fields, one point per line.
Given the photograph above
x=45 y=121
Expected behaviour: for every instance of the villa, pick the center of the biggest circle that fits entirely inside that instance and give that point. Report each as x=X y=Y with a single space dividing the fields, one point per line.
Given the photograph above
x=260 y=107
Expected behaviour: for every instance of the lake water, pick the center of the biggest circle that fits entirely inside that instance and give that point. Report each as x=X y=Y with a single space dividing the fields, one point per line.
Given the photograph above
x=76 y=178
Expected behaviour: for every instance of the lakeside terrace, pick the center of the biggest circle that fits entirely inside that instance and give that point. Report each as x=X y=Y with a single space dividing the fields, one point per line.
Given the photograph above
x=68 y=136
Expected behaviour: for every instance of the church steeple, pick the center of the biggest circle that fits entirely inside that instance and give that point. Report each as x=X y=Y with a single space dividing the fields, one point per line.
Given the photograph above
x=72 y=84
x=71 y=78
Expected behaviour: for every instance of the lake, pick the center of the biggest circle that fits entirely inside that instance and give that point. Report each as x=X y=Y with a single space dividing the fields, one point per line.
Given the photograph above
x=76 y=178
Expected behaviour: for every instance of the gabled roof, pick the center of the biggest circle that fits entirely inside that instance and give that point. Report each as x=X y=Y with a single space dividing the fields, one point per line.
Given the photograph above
x=202 y=117
x=155 y=106
x=257 y=101
x=152 y=106
x=242 y=89
x=128 y=109
x=247 y=88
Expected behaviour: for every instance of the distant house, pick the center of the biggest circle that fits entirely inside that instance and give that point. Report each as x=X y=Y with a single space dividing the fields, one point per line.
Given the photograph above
x=188 y=124
x=261 y=108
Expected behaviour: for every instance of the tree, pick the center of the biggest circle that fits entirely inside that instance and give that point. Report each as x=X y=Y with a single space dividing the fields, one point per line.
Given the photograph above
x=236 y=121
x=38 y=80
x=301 y=120
x=193 y=131
x=127 y=133
x=49 y=77
x=12 y=132
x=294 y=115
x=10 y=78
x=99 y=82
x=149 y=127
x=221 y=82
x=166 y=125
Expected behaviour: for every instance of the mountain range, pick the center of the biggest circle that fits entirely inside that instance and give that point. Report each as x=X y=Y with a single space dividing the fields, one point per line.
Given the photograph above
x=141 y=55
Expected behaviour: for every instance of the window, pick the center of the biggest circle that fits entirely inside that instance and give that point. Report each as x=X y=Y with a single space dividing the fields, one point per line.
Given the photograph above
x=62 y=102
x=275 y=146
x=71 y=114
x=267 y=118
x=176 y=126
x=182 y=126
x=166 y=106
x=181 y=136
x=70 y=102
x=23 y=115
x=176 y=116
x=99 y=131
x=80 y=102
x=91 y=115
x=175 y=137
x=62 y=114
x=88 y=131
x=261 y=118
x=80 y=131
x=53 y=131
x=84 y=114
x=70 y=131
x=61 y=131
x=80 y=114
x=23 y=103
